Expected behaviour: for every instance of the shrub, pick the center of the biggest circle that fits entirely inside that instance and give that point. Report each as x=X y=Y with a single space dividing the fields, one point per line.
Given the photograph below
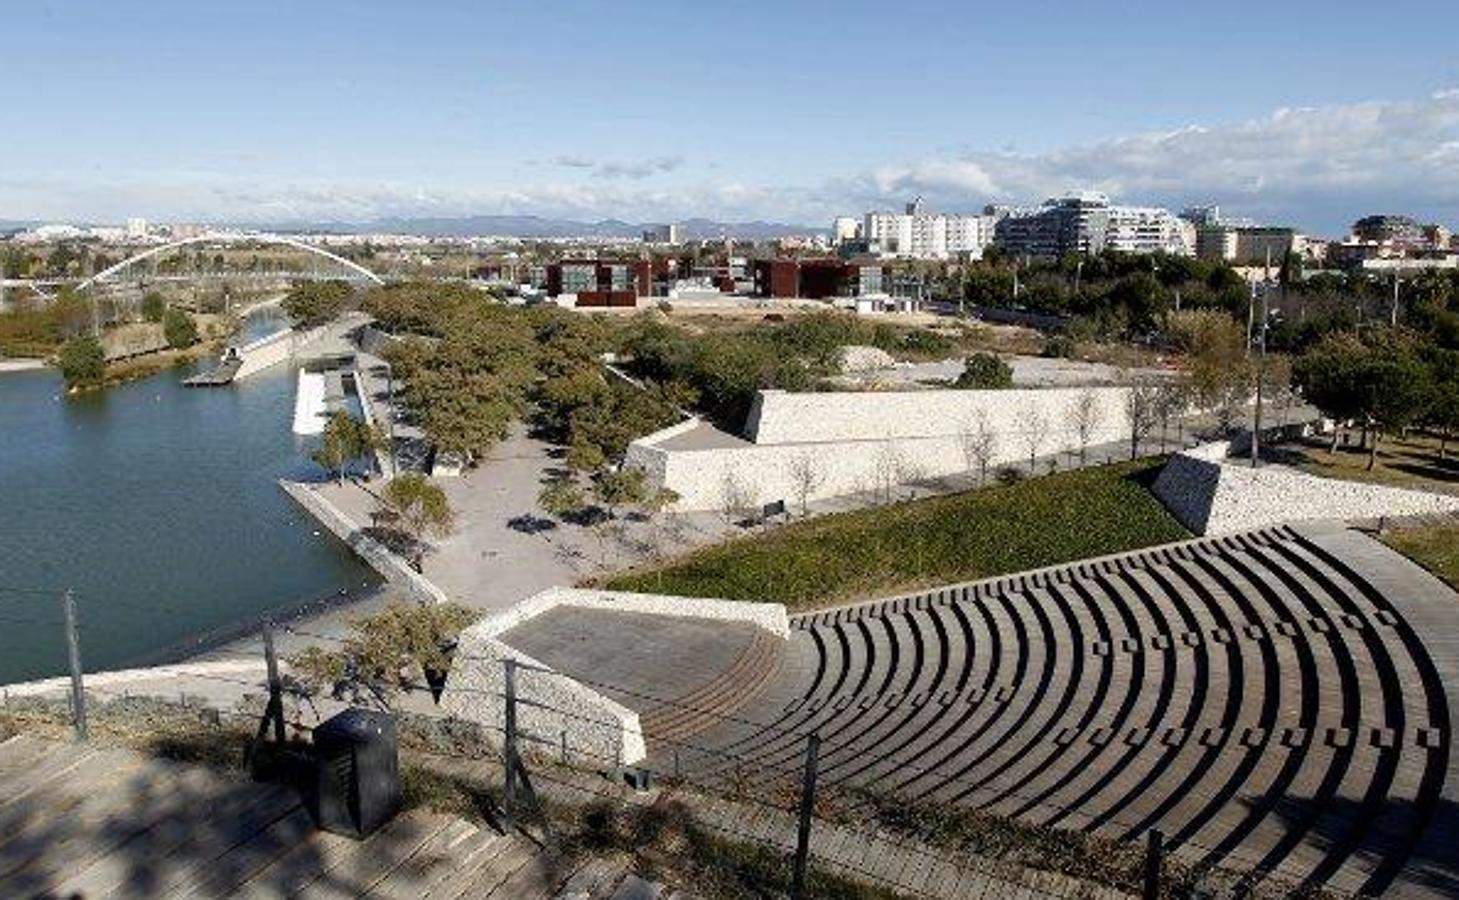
x=82 y=362
x=1058 y=345
x=179 y=329
x=153 y=306
x=1009 y=475
x=985 y=370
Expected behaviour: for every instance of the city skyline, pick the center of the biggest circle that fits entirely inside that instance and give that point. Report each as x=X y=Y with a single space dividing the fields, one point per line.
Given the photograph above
x=266 y=114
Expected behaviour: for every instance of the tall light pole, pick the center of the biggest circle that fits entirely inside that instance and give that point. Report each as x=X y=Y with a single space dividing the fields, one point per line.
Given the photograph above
x=1260 y=378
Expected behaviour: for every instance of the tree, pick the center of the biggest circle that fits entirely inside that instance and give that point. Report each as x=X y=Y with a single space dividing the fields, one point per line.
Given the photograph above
x=82 y=362
x=1172 y=399
x=420 y=508
x=315 y=302
x=561 y=498
x=1381 y=383
x=807 y=476
x=1035 y=432
x=979 y=443
x=385 y=651
x=1142 y=409
x=1084 y=417
x=1216 y=357
x=984 y=370
x=153 y=306
x=735 y=499
x=179 y=329
x=344 y=440
x=623 y=487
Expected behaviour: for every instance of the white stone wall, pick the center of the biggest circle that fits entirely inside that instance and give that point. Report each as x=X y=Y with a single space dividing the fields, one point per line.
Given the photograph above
x=1213 y=495
x=861 y=441
x=779 y=417
x=560 y=714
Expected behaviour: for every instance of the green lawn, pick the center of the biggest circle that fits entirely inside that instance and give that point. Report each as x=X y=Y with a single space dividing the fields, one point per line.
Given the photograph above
x=875 y=552
x=1436 y=549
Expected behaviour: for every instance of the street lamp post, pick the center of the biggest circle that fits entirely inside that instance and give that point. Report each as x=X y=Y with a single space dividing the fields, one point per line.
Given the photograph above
x=1260 y=378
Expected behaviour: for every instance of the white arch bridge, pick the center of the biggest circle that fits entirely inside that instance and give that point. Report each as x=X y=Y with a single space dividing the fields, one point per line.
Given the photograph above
x=226 y=237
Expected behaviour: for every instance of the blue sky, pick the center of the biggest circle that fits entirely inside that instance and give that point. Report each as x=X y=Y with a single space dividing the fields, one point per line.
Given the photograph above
x=1300 y=111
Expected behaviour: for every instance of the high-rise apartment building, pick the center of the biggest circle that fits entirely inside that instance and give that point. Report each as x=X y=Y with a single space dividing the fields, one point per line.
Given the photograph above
x=1087 y=223
x=916 y=234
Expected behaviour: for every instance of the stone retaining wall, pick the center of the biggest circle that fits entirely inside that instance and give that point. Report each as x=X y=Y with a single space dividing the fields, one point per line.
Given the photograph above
x=1212 y=494
x=860 y=442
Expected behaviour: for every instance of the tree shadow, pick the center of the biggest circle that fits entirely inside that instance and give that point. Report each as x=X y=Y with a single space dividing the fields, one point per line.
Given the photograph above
x=1422 y=470
x=110 y=823
x=530 y=524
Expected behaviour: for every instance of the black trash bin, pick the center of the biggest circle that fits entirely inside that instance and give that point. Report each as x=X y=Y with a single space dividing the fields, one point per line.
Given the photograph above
x=355 y=786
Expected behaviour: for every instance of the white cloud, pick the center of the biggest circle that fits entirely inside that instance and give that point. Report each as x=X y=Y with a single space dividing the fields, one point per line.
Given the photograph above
x=1296 y=163
x=1317 y=167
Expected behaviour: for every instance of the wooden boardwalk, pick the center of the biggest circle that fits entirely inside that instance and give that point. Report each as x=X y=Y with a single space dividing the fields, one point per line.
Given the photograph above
x=1277 y=702
x=89 y=822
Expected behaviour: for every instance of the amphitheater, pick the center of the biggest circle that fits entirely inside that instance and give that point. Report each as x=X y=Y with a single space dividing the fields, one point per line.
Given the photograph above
x=1274 y=702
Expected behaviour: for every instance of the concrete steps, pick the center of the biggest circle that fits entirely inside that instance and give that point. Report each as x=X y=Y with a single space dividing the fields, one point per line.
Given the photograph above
x=1254 y=697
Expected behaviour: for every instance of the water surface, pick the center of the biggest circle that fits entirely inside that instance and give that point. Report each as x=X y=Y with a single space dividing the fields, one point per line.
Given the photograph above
x=158 y=506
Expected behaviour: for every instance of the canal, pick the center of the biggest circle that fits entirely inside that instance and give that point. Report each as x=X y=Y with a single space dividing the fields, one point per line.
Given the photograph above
x=157 y=505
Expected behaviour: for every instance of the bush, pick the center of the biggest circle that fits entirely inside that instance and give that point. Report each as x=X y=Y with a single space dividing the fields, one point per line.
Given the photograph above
x=179 y=329
x=985 y=370
x=153 y=306
x=926 y=343
x=1058 y=346
x=82 y=362
x=1009 y=475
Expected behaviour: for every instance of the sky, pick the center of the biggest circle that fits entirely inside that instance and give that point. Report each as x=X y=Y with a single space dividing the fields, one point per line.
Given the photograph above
x=1303 y=113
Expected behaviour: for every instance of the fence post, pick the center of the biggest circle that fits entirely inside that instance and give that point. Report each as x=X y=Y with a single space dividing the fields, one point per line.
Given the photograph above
x=807 y=804
x=73 y=647
x=509 y=743
x=1154 y=847
x=275 y=687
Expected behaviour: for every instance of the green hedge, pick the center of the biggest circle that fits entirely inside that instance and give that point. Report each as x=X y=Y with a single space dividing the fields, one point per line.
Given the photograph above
x=873 y=552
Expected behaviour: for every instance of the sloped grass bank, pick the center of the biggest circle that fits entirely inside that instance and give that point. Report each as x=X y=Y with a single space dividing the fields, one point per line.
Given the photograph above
x=1435 y=548
x=976 y=534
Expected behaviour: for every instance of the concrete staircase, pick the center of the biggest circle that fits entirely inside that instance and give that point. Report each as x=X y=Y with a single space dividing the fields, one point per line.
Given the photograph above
x=1253 y=697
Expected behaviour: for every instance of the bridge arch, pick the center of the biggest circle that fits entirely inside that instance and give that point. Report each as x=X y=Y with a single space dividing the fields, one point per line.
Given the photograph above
x=226 y=237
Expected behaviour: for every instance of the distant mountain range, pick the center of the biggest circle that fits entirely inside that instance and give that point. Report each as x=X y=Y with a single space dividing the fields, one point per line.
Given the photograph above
x=516 y=226
x=540 y=227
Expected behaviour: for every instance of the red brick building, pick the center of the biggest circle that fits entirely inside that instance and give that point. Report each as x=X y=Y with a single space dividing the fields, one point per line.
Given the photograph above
x=598 y=282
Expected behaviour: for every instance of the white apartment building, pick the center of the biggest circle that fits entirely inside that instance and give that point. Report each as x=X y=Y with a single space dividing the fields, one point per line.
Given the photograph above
x=845 y=228
x=920 y=235
x=1149 y=229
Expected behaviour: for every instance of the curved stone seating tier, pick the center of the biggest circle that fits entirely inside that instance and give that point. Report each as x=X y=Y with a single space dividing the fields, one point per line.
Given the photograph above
x=1254 y=697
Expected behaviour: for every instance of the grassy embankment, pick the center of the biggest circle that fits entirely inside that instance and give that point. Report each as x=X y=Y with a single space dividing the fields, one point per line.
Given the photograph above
x=1435 y=548
x=883 y=550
